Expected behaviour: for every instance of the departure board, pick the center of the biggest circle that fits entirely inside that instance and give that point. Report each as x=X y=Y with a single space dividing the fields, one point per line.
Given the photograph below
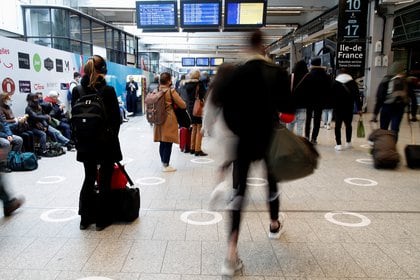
x=157 y=15
x=202 y=14
x=188 y=61
x=216 y=61
x=245 y=14
x=202 y=61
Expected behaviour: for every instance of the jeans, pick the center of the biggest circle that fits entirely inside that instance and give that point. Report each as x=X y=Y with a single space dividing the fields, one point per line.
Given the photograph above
x=4 y=195
x=327 y=115
x=317 y=122
x=391 y=114
x=14 y=145
x=132 y=102
x=299 y=122
x=56 y=135
x=165 y=150
x=42 y=136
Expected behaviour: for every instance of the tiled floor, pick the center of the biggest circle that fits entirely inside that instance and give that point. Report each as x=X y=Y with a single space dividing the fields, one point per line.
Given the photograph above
x=376 y=234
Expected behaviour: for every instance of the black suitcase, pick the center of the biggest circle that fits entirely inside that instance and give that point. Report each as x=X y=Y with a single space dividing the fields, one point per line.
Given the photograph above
x=412 y=152
x=125 y=202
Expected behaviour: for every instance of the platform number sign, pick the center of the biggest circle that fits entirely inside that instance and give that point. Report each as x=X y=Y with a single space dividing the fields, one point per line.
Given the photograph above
x=351 y=34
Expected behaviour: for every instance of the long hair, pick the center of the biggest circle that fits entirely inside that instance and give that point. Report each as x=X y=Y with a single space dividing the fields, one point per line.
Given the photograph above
x=95 y=69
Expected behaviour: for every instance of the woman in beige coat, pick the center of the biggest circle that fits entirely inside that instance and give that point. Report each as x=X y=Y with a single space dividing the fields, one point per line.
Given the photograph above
x=167 y=133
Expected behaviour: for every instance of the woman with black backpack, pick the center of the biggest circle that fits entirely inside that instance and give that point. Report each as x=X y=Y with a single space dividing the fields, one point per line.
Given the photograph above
x=97 y=144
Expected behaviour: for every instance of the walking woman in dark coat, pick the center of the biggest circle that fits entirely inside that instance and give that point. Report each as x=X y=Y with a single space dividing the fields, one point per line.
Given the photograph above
x=103 y=153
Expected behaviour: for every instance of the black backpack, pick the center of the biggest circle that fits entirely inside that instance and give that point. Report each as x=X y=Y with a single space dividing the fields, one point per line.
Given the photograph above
x=88 y=120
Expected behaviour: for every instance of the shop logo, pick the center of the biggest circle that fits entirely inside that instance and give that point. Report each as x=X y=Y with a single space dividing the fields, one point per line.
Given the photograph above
x=25 y=86
x=39 y=87
x=8 y=86
x=59 y=65
x=37 y=62
x=24 y=60
x=48 y=64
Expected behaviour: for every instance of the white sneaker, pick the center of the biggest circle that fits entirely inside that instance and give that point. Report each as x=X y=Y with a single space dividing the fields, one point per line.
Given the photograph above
x=338 y=148
x=328 y=127
x=129 y=114
x=276 y=233
x=229 y=268
x=168 y=169
x=348 y=145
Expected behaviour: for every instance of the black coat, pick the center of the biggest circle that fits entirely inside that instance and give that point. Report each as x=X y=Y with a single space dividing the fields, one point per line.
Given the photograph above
x=110 y=150
x=190 y=89
x=317 y=88
x=257 y=92
x=346 y=95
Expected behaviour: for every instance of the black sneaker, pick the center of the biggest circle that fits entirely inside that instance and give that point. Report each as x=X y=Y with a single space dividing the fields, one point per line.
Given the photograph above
x=13 y=205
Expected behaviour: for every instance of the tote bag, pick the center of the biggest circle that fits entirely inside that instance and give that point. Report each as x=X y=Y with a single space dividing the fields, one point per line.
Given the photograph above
x=290 y=157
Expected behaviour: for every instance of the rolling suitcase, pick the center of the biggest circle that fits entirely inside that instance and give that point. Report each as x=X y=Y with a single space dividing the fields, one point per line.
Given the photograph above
x=125 y=201
x=184 y=139
x=412 y=152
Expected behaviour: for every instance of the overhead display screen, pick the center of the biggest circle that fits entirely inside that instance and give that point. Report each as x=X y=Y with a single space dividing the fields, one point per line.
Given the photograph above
x=157 y=15
x=216 y=61
x=202 y=61
x=188 y=61
x=202 y=14
x=245 y=13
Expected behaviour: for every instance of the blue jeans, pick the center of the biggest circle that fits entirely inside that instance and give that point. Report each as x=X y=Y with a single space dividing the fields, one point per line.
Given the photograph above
x=57 y=136
x=165 y=149
x=391 y=114
x=299 y=122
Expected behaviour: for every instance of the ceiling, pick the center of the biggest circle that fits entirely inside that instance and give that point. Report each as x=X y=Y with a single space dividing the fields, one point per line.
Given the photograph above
x=283 y=17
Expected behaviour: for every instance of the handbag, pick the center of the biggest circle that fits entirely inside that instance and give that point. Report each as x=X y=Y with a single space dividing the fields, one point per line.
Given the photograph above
x=290 y=157
x=182 y=116
x=118 y=179
x=360 y=128
x=198 y=105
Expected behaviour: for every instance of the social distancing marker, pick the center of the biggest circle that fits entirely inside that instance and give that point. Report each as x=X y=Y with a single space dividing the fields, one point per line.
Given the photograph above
x=70 y=215
x=95 y=278
x=365 y=160
x=356 y=182
x=151 y=181
x=202 y=160
x=256 y=182
x=366 y=146
x=216 y=218
x=364 y=220
x=51 y=180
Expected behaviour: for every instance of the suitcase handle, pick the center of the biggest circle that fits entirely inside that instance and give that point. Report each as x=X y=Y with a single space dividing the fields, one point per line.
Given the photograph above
x=125 y=173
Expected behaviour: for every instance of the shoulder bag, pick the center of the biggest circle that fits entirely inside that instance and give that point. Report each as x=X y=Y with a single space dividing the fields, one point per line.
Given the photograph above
x=289 y=156
x=198 y=104
x=182 y=116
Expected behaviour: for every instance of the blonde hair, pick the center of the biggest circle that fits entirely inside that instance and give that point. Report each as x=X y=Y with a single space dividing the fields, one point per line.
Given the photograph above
x=194 y=74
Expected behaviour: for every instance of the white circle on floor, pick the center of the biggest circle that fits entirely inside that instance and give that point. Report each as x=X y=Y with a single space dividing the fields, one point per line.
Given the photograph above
x=217 y=218
x=127 y=160
x=366 y=146
x=94 y=278
x=202 y=160
x=46 y=215
x=51 y=180
x=151 y=181
x=365 y=160
x=256 y=182
x=364 y=220
x=369 y=183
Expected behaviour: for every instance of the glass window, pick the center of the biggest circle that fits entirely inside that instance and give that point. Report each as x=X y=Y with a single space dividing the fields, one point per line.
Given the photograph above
x=86 y=37
x=59 y=19
x=109 y=39
x=38 y=22
x=61 y=44
x=46 y=42
x=75 y=47
x=98 y=34
x=117 y=40
x=130 y=44
x=75 y=27
x=87 y=49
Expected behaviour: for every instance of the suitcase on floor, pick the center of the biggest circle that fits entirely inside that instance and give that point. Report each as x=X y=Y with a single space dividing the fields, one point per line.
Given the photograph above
x=125 y=201
x=184 y=139
x=412 y=152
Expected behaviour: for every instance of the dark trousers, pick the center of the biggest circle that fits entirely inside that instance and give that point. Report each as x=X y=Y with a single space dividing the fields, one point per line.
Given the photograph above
x=28 y=141
x=165 y=150
x=243 y=163
x=96 y=206
x=132 y=103
x=339 y=119
x=391 y=114
x=4 y=195
x=317 y=112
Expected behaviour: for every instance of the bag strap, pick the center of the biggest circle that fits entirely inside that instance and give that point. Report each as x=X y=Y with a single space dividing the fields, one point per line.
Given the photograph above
x=196 y=91
x=122 y=168
x=301 y=80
